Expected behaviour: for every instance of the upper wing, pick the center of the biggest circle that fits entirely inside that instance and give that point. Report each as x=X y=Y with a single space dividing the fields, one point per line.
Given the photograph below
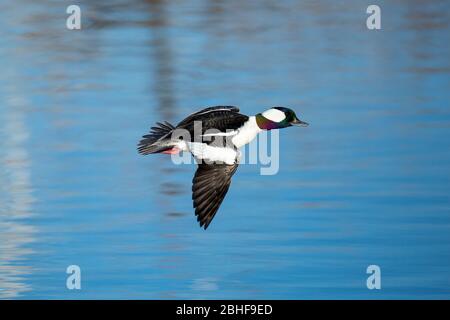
x=221 y=118
x=209 y=187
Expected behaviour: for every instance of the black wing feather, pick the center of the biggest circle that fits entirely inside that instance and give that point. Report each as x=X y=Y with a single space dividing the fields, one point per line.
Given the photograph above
x=209 y=187
x=157 y=133
x=221 y=118
x=203 y=112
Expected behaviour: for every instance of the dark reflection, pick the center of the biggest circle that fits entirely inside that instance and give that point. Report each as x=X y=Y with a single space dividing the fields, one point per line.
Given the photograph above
x=162 y=58
x=425 y=16
x=176 y=214
x=171 y=188
x=426 y=21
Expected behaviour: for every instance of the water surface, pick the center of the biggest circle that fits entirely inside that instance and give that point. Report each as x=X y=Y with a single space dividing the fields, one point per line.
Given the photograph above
x=366 y=183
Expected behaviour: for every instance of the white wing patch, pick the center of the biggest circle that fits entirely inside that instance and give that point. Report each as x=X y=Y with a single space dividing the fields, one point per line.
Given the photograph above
x=219 y=134
x=274 y=114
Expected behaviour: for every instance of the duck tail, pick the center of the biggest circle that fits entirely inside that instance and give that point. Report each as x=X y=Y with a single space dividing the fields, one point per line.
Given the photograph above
x=158 y=140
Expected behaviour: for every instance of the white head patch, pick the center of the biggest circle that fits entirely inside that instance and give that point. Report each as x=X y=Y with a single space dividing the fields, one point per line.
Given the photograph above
x=274 y=115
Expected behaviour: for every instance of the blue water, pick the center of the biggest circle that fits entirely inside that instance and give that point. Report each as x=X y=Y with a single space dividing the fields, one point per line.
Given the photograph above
x=366 y=183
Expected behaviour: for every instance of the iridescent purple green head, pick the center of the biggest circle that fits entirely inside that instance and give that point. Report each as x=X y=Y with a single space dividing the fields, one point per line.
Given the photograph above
x=277 y=118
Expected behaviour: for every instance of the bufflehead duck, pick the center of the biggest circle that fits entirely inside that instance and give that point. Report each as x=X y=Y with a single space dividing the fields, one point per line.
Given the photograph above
x=213 y=136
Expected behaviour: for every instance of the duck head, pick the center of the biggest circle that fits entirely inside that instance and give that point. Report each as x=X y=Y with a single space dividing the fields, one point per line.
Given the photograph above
x=277 y=118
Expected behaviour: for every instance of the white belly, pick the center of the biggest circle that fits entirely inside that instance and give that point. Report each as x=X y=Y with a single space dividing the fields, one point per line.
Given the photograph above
x=213 y=154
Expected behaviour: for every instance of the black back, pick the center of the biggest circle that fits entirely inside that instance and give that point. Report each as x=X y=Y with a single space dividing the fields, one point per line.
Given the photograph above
x=220 y=118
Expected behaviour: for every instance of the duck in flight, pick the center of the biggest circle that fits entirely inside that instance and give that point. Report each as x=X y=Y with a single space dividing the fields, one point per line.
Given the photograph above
x=213 y=136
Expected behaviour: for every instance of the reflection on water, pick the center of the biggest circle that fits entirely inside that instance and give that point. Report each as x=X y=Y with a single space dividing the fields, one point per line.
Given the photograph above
x=16 y=236
x=366 y=183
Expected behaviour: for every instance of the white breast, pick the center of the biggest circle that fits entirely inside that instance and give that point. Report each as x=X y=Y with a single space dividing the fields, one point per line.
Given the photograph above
x=246 y=133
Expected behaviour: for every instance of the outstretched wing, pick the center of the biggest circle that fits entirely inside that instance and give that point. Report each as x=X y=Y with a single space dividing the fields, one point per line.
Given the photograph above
x=221 y=118
x=209 y=187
